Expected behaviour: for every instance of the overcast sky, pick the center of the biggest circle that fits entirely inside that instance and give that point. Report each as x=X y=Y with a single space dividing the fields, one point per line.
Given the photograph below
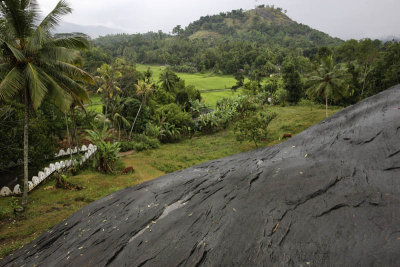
x=340 y=18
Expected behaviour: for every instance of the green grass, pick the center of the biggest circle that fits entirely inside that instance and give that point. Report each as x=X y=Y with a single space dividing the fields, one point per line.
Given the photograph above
x=49 y=206
x=211 y=97
x=202 y=81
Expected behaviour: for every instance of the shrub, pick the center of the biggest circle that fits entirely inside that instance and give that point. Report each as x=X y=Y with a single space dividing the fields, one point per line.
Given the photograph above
x=154 y=131
x=106 y=156
x=280 y=97
x=253 y=127
x=184 y=68
x=173 y=115
x=126 y=146
x=140 y=142
x=149 y=142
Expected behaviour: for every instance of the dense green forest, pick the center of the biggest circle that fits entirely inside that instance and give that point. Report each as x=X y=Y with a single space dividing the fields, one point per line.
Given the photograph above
x=226 y=42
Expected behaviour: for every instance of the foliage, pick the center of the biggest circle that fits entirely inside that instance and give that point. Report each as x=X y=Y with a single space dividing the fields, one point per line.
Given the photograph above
x=280 y=97
x=36 y=65
x=292 y=82
x=140 y=142
x=106 y=156
x=225 y=42
x=97 y=136
x=329 y=81
x=63 y=183
x=253 y=127
x=172 y=115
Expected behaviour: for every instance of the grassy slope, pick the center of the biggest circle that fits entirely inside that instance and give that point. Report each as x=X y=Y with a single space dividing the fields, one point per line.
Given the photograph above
x=202 y=81
x=48 y=205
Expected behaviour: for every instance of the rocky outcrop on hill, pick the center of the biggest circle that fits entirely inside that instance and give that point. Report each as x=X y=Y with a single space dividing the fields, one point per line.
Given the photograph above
x=329 y=196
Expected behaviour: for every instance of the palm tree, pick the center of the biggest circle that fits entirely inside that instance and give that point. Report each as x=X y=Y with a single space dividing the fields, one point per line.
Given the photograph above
x=34 y=65
x=143 y=90
x=109 y=84
x=116 y=108
x=168 y=80
x=329 y=80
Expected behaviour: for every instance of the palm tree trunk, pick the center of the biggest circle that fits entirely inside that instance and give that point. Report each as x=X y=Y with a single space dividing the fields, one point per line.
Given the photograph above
x=26 y=151
x=69 y=138
x=75 y=129
x=119 y=132
x=105 y=114
x=133 y=124
x=326 y=105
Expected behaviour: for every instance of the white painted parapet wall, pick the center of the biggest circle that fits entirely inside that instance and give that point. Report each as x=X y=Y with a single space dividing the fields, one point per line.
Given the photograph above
x=52 y=168
x=63 y=153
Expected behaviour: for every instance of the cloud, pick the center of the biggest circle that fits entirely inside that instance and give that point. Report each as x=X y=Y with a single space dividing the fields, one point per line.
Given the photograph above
x=340 y=18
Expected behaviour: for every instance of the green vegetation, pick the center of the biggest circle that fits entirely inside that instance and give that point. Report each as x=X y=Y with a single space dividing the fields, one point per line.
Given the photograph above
x=36 y=66
x=254 y=127
x=213 y=87
x=49 y=206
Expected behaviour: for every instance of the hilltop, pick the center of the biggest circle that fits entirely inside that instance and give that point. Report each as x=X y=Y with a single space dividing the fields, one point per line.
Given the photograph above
x=225 y=42
x=265 y=24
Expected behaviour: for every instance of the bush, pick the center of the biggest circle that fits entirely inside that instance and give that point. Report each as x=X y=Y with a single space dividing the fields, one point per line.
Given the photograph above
x=280 y=97
x=126 y=146
x=184 y=68
x=140 y=142
x=253 y=127
x=147 y=141
x=173 y=115
x=106 y=156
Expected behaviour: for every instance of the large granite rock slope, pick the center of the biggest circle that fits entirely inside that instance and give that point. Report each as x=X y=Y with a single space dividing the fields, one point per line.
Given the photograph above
x=330 y=196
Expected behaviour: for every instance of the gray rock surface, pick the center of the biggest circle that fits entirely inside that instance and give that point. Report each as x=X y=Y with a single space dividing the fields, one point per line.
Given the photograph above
x=330 y=196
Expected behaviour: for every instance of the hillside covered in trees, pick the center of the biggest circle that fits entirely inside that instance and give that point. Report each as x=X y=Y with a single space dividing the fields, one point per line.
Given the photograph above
x=225 y=42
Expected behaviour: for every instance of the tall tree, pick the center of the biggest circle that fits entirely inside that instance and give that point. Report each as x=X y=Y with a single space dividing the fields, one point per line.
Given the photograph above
x=329 y=80
x=109 y=84
x=143 y=90
x=34 y=64
x=292 y=82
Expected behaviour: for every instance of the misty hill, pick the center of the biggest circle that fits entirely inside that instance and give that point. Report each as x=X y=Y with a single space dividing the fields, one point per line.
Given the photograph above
x=225 y=42
x=263 y=24
x=93 y=31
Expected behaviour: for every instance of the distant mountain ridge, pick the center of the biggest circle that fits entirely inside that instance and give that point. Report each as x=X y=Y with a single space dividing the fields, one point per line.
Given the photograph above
x=94 y=31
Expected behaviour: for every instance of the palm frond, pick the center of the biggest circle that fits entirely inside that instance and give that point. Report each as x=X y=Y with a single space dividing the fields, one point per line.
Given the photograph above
x=60 y=97
x=53 y=18
x=20 y=15
x=54 y=54
x=12 y=84
x=37 y=88
x=74 y=72
x=75 y=42
x=19 y=56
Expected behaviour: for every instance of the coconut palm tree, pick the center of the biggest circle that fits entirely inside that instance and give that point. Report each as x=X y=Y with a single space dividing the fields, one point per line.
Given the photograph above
x=143 y=90
x=109 y=84
x=34 y=65
x=168 y=80
x=329 y=80
x=116 y=108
